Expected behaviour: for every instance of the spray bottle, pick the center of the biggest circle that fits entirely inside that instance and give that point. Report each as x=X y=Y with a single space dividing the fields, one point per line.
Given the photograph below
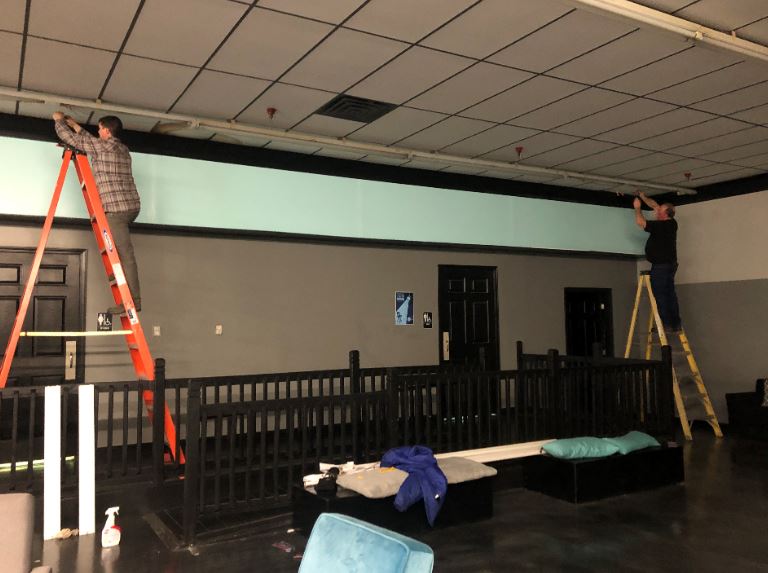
x=110 y=535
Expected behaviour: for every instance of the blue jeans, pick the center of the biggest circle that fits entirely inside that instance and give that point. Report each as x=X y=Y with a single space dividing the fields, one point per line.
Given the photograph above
x=663 y=287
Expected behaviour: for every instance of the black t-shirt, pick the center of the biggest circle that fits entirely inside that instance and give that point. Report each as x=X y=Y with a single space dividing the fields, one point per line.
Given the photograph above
x=662 y=243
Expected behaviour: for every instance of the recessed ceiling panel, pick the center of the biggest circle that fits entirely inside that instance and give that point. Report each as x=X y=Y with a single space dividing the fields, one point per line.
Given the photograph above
x=621 y=56
x=182 y=31
x=690 y=63
x=410 y=74
x=561 y=40
x=713 y=13
x=267 y=43
x=642 y=162
x=492 y=25
x=707 y=86
x=757 y=32
x=10 y=56
x=444 y=133
x=531 y=146
x=722 y=142
x=758 y=115
x=328 y=126
x=342 y=60
x=13 y=15
x=494 y=138
x=571 y=108
x=569 y=153
x=469 y=87
x=147 y=83
x=736 y=101
x=677 y=169
x=737 y=154
x=48 y=68
x=706 y=130
x=602 y=159
x=396 y=125
x=757 y=161
x=291 y=104
x=617 y=116
x=522 y=99
x=657 y=125
x=333 y=11
x=219 y=95
x=100 y=24
x=397 y=19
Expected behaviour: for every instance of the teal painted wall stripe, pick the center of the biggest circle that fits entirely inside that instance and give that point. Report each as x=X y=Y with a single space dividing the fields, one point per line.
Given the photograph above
x=194 y=193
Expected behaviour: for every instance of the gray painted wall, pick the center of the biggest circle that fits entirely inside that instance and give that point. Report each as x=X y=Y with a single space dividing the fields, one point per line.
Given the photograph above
x=292 y=305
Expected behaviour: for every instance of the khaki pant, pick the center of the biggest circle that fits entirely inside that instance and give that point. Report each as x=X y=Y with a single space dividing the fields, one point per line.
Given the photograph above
x=118 y=223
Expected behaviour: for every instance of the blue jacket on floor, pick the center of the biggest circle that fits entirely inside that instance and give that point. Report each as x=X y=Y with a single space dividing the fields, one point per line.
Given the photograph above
x=425 y=479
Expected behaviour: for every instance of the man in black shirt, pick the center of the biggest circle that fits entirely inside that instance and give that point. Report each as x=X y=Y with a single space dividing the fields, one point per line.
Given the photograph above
x=661 y=252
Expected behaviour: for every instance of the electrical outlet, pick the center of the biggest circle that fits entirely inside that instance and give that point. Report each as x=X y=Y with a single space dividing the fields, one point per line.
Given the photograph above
x=219 y=329
x=156 y=330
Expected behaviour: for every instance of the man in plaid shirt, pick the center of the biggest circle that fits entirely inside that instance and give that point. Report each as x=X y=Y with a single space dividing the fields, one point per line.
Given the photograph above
x=111 y=163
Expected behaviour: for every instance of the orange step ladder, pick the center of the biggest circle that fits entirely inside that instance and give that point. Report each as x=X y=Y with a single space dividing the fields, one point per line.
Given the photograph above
x=134 y=334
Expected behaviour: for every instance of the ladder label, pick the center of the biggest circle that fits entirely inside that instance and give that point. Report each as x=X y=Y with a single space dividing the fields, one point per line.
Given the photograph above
x=108 y=241
x=133 y=319
x=117 y=269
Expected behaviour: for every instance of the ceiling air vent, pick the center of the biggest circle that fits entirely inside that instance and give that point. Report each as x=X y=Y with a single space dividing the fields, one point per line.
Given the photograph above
x=355 y=108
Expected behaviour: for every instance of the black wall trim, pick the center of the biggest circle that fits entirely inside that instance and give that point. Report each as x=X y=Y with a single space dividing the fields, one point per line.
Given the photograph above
x=210 y=232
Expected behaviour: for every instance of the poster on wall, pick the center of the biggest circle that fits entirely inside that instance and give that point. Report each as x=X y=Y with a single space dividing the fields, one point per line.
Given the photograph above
x=403 y=308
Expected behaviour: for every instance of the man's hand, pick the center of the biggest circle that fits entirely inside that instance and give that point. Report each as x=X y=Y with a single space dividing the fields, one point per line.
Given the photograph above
x=58 y=116
x=636 y=203
x=72 y=124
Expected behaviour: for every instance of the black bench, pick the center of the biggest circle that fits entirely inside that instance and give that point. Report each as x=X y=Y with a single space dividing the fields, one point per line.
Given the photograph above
x=583 y=480
x=466 y=501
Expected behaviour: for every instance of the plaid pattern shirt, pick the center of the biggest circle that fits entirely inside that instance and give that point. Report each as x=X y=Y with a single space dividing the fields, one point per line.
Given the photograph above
x=111 y=163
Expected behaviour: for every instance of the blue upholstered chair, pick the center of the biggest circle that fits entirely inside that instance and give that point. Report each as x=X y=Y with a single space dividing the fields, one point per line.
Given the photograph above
x=343 y=544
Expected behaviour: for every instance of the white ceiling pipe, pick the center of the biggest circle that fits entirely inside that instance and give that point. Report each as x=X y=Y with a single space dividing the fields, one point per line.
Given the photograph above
x=235 y=128
x=638 y=14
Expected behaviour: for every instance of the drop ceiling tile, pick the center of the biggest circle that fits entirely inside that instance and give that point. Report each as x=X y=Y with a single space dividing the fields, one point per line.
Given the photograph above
x=8 y=106
x=182 y=31
x=293 y=147
x=712 y=170
x=677 y=68
x=147 y=83
x=591 y=185
x=657 y=125
x=667 y=6
x=493 y=24
x=249 y=139
x=218 y=95
x=13 y=15
x=45 y=111
x=397 y=124
x=561 y=40
x=602 y=158
x=522 y=99
x=642 y=162
x=469 y=87
x=693 y=133
x=10 y=56
x=444 y=133
x=624 y=55
x=756 y=161
x=397 y=19
x=571 y=108
x=333 y=11
x=537 y=177
x=48 y=68
x=420 y=163
x=411 y=73
x=722 y=142
x=101 y=24
x=226 y=138
x=343 y=59
x=568 y=153
x=713 y=84
x=328 y=126
x=384 y=159
x=720 y=177
x=739 y=152
x=757 y=114
x=618 y=116
x=531 y=146
x=337 y=153
x=757 y=32
x=489 y=140
x=133 y=122
x=501 y=174
x=677 y=169
x=267 y=43
x=736 y=101
x=713 y=13
x=292 y=105
x=193 y=133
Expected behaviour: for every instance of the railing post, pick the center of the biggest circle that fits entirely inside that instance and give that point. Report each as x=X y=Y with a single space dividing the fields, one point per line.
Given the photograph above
x=354 y=370
x=667 y=393
x=158 y=422
x=393 y=408
x=520 y=396
x=554 y=413
x=193 y=465
x=356 y=405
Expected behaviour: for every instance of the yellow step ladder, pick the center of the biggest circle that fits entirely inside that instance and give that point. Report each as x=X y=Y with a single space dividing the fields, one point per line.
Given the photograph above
x=681 y=371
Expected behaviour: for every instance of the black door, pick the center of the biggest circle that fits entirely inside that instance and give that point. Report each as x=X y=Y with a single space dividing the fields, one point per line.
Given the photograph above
x=468 y=316
x=588 y=319
x=57 y=305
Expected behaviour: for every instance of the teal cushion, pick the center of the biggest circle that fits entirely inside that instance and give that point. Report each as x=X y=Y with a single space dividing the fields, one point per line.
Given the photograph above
x=633 y=441
x=343 y=544
x=576 y=448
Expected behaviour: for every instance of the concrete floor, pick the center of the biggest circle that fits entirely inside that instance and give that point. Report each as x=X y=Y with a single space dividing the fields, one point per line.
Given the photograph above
x=715 y=522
